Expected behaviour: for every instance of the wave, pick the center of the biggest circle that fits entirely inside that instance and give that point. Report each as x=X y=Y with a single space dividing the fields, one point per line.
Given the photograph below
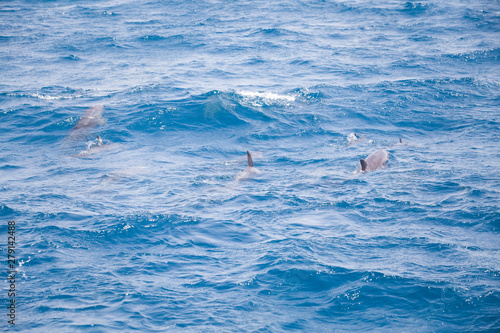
x=54 y=93
x=214 y=109
x=478 y=56
x=259 y=99
x=6 y=211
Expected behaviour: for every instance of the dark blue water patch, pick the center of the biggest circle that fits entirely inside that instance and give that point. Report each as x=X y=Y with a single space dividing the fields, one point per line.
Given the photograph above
x=303 y=280
x=155 y=38
x=423 y=38
x=415 y=8
x=255 y=61
x=300 y=62
x=151 y=22
x=441 y=187
x=54 y=217
x=48 y=131
x=93 y=13
x=437 y=302
x=110 y=42
x=488 y=20
x=174 y=43
x=7 y=39
x=8 y=167
x=150 y=94
x=480 y=56
x=71 y=57
x=410 y=102
x=353 y=12
x=69 y=46
x=416 y=64
x=453 y=87
x=213 y=110
x=480 y=217
x=87 y=46
x=350 y=295
x=61 y=122
x=113 y=228
x=6 y=211
x=275 y=32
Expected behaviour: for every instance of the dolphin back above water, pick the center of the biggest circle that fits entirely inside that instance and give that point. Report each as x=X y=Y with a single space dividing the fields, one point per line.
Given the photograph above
x=374 y=161
x=250 y=161
x=250 y=171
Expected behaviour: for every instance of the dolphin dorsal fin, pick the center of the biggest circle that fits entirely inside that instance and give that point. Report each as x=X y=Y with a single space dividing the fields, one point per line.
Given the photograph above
x=250 y=161
x=363 y=164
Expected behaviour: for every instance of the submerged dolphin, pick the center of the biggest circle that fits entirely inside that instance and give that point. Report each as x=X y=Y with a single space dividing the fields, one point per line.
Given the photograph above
x=95 y=147
x=250 y=171
x=376 y=160
x=91 y=117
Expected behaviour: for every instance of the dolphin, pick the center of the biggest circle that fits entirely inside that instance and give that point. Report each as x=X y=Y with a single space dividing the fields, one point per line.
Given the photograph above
x=99 y=141
x=95 y=147
x=250 y=171
x=374 y=161
x=91 y=118
x=354 y=138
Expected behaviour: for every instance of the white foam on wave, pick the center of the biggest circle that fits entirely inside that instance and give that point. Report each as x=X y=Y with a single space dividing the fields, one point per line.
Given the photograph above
x=49 y=97
x=44 y=96
x=265 y=98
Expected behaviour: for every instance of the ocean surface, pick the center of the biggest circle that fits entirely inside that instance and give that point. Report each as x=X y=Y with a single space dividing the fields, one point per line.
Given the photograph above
x=153 y=232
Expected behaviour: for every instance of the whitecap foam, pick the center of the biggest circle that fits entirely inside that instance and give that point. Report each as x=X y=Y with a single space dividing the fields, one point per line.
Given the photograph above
x=265 y=98
x=49 y=97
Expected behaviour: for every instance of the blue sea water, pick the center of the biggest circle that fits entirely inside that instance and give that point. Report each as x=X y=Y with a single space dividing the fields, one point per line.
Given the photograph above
x=153 y=233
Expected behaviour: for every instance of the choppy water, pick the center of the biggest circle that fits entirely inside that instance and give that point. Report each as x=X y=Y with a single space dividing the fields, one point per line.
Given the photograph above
x=154 y=233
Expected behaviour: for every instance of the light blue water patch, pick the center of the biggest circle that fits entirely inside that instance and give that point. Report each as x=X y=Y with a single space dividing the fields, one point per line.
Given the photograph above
x=135 y=220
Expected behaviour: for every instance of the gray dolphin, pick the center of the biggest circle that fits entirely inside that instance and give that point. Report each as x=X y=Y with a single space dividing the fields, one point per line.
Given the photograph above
x=250 y=171
x=354 y=138
x=95 y=147
x=374 y=161
x=91 y=118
